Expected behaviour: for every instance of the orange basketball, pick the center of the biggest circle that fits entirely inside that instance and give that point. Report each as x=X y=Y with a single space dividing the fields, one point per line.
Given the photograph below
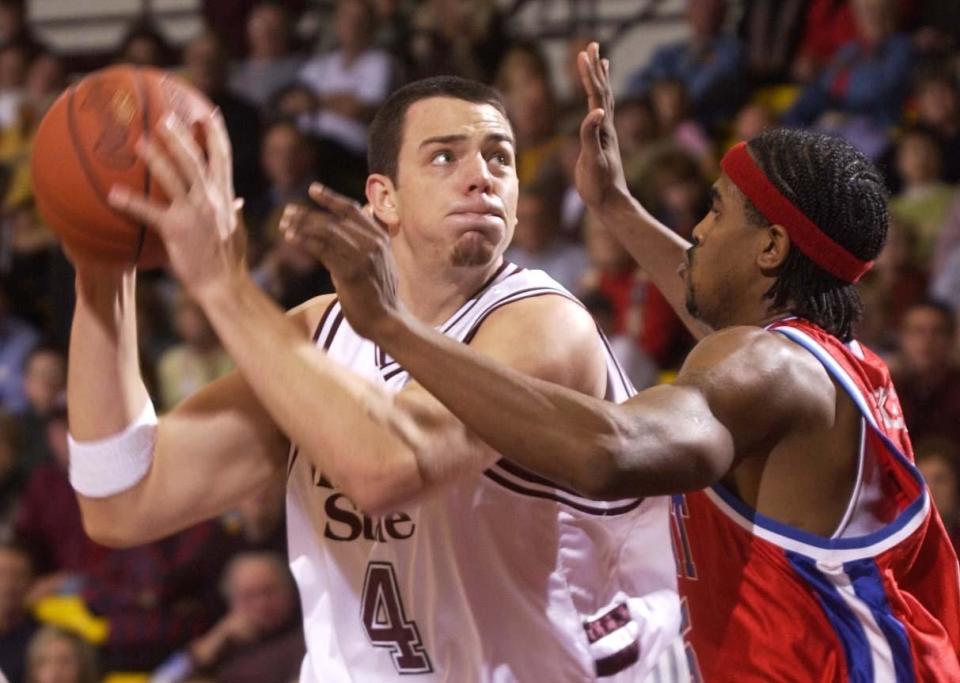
x=85 y=144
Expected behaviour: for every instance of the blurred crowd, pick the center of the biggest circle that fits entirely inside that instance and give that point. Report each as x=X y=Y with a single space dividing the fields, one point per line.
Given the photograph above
x=215 y=602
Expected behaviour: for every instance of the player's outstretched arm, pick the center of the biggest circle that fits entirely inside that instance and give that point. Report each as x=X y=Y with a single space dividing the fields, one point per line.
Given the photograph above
x=602 y=185
x=735 y=390
x=207 y=454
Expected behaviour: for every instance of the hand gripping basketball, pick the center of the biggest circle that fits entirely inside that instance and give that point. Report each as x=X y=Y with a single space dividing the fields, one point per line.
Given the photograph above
x=199 y=225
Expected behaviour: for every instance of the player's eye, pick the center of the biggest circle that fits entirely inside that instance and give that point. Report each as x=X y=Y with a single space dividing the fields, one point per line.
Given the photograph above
x=442 y=158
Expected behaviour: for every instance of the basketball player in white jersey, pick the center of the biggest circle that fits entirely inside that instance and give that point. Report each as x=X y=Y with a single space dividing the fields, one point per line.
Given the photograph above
x=426 y=554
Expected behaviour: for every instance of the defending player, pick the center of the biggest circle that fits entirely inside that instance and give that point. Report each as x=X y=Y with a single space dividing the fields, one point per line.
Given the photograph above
x=428 y=554
x=808 y=548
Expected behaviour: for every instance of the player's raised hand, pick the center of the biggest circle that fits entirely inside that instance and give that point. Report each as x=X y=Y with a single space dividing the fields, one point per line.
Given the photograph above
x=355 y=249
x=599 y=172
x=200 y=226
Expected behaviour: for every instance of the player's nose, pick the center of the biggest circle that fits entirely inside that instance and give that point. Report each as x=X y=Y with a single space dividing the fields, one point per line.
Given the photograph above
x=477 y=175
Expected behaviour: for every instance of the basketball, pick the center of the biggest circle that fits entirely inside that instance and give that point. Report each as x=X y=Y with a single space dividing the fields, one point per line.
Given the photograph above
x=86 y=143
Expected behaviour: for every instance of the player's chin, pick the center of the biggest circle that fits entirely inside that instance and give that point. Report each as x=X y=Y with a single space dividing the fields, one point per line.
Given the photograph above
x=473 y=248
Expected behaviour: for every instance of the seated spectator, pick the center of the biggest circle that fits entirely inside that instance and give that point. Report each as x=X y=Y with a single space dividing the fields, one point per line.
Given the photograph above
x=924 y=202
x=17 y=339
x=296 y=102
x=674 y=124
x=11 y=475
x=927 y=379
x=537 y=243
x=771 y=31
x=524 y=79
x=144 y=45
x=205 y=65
x=750 y=121
x=636 y=124
x=270 y=64
x=257 y=524
x=48 y=521
x=14 y=27
x=17 y=626
x=58 y=656
x=639 y=368
x=13 y=73
x=828 y=26
x=44 y=383
x=863 y=87
x=260 y=640
x=196 y=361
x=670 y=183
x=350 y=82
x=452 y=37
x=287 y=158
x=45 y=81
x=937 y=100
x=708 y=63
x=938 y=461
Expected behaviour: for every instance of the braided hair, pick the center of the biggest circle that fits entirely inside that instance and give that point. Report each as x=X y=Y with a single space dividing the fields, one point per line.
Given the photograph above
x=841 y=191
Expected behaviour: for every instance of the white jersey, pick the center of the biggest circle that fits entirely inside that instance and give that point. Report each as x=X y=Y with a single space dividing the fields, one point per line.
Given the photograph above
x=496 y=577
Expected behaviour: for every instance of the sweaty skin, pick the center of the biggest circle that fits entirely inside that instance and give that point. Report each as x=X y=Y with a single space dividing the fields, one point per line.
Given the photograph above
x=749 y=408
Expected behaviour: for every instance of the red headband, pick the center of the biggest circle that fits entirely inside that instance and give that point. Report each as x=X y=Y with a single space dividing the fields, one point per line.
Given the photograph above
x=811 y=240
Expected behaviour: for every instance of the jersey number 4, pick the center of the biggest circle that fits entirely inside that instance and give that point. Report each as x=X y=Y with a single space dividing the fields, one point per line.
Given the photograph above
x=386 y=622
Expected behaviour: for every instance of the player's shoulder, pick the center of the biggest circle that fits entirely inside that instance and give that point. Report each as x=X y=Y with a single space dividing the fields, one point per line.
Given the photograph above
x=309 y=314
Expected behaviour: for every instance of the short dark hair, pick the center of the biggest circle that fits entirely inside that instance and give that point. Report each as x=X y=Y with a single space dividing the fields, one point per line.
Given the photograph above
x=842 y=192
x=386 y=131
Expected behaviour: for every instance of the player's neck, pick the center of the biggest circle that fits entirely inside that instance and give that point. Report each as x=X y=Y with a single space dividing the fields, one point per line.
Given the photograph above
x=434 y=294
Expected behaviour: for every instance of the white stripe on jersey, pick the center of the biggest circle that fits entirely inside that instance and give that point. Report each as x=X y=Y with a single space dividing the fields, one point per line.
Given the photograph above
x=488 y=579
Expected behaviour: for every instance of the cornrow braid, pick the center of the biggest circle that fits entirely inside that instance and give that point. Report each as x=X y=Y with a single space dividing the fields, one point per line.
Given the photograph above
x=841 y=191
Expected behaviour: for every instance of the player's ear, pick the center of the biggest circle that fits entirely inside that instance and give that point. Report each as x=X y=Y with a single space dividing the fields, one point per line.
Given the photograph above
x=383 y=200
x=774 y=248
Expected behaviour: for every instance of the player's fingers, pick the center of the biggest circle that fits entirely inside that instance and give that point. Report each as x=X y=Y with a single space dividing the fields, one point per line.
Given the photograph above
x=583 y=68
x=334 y=202
x=142 y=209
x=161 y=168
x=221 y=153
x=590 y=129
x=183 y=149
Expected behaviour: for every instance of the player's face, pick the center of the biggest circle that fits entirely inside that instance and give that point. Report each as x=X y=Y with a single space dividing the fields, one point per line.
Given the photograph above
x=456 y=189
x=721 y=264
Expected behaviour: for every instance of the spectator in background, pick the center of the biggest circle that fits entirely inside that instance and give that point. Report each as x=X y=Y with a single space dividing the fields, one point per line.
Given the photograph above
x=48 y=521
x=13 y=72
x=636 y=124
x=17 y=339
x=270 y=64
x=44 y=383
x=453 y=37
x=924 y=202
x=196 y=361
x=865 y=83
x=259 y=640
x=670 y=183
x=17 y=626
x=11 y=475
x=640 y=311
x=926 y=377
x=58 y=656
x=288 y=161
x=350 y=82
x=770 y=30
x=205 y=65
x=524 y=80
x=45 y=81
x=708 y=63
x=750 y=121
x=144 y=45
x=640 y=368
x=258 y=523
x=937 y=100
x=828 y=26
x=14 y=27
x=938 y=460
x=537 y=243
x=296 y=102
x=672 y=110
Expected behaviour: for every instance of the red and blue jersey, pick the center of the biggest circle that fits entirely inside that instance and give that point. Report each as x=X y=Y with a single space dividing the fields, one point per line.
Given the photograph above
x=878 y=602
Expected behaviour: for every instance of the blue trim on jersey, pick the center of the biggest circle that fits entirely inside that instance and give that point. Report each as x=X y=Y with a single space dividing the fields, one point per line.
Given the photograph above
x=816 y=540
x=868 y=585
x=846 y=626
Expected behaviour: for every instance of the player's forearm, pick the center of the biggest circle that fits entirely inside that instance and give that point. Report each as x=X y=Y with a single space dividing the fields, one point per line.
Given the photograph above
x=656 y=248
x=334 y=416
x=104 y=388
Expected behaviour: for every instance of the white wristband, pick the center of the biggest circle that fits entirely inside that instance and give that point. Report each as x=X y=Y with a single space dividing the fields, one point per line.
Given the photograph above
x=105 y=467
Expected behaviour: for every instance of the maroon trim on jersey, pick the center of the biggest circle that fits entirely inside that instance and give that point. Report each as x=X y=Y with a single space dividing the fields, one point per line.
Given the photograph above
x=333 y=330
x=468 y=306
x=612 y=620
x=624 y=381
x=323 y=319
x=618 y=661
x=509 y=299
x=557 y=498
x=517 y=471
